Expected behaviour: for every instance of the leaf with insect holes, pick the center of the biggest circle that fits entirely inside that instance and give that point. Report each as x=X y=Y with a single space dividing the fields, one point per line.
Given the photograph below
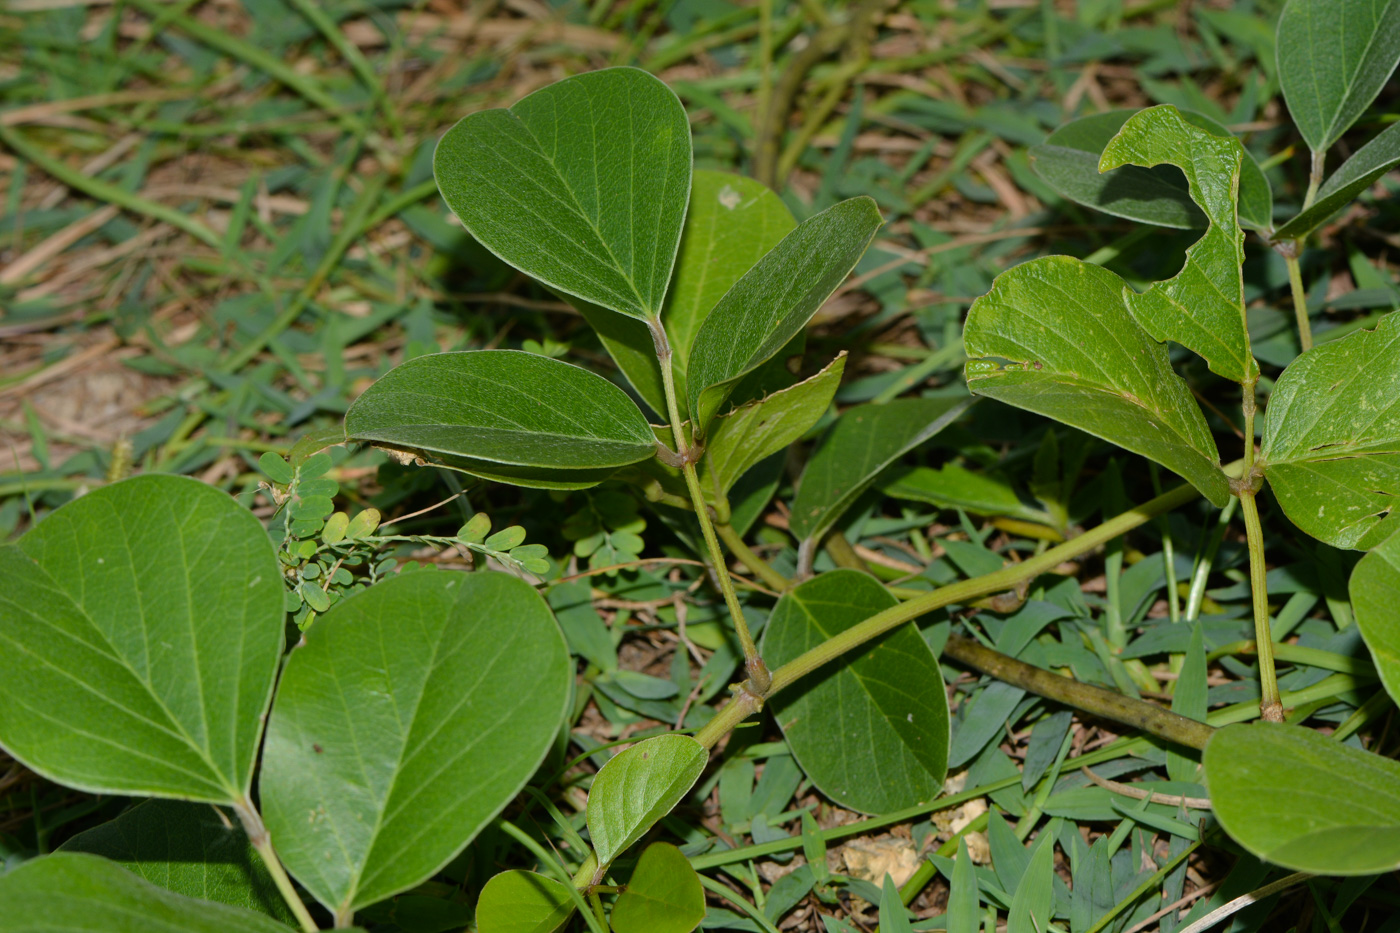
x=1370 y=163
x=1331 y=448
x=637 y=787
x=1202 y=307
x=582 y=184
x=140 y=631
x=1375 y=592
x=1076 y=355
x=523 y=902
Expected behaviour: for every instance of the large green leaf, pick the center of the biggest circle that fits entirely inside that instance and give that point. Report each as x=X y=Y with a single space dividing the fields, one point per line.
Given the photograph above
x=639 y=786
x=187 y=848
x=955 y=487
x=140 y=631
x=1360 y=172
x=1069 y=161
x=774 y=300
x=662 y=896
x=1332 y=438
x=871 y=730
x=582 y=184
x=504 y=414
x=1375 y=594
x=1305 y=801
x=853 y=451
x=1334 y=56
x=523 y=902
x=1202 y=307
x=413 y=713
x=1077 y=356
x=80 y=893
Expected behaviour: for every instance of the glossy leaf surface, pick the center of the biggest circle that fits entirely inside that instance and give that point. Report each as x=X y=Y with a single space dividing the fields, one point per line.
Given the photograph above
x=774 y=300
x=1375 y=594
x=1076 y=355
x=1334 y=56
x=1367 y=166
x=856 y=448
x=663 y=895
x=582 y=185
x=404 y=724
x=1069 y=161
x=1332 y=438
x=639 y=786
x=1202 y=306
x=140 y=631
x=870 y=730
x=523 y=902
x=1275 y=790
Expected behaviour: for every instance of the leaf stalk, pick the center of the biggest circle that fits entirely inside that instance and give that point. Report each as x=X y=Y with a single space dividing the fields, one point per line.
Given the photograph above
x=258 y=835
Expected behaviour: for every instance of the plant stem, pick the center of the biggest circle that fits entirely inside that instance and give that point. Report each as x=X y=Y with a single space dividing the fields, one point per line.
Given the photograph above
x=746 y=556
x=257 y=834
x=759 y=679
x=1300 y=298
x=1269 y=706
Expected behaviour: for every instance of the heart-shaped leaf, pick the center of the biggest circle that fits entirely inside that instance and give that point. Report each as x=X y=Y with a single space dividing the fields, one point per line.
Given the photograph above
x=1331 y=447
x=411 y=716
x=856 y=448
x=1375 y=594
x=1069 y=161
x=1202 y=306
x=523 y=902
x=509 y=415
x=140 y=632
x=80 y=893
x=872 y=731
x=774 y=300
x=1077 y=355
x=582 y=185
x=1334 y=56
x=1372 y=161
x=186 y=848
x=662 y=896
x=1278 y=790
x=639 y=786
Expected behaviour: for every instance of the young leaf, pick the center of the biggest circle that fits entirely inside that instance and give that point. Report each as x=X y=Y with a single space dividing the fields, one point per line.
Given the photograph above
x=510 y=413
x=1331 y=446
x=1069 y=161
x=1375 y=594
x=871 y=733
x=140 y=632
x=1305 y=801
x=523 y=902
x=80 y=893
x=1334 y=56
x=639 y=786
x=774 y=300
x=1077 y=356
x=582 y=185
x=186 y=848
x=856 y=448
x=401 y=728
x=663 y=895
x=1372 y=161
x=1202 y=307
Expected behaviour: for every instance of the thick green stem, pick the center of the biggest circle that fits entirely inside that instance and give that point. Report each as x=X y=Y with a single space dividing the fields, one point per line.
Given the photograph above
x=257 y=835
x=746 y=556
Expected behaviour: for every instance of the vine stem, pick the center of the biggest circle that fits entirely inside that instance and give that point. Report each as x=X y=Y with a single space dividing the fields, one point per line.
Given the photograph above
x=759 y=680
x=257 y=834
x=1270 y=708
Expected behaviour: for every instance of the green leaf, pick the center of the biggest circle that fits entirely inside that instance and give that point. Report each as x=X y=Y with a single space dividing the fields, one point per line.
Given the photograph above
x=1304 y=801
x=1331 y=446
x=856 y=448
x=504 y=414
x=1191 y=699
x=774 y=300
x=1334 y=56
x=401 y=728
x=1202 y=307
x=186 y=848
x=1077 y=356
x=1069 y=161
x=1034 y=897
x=140 y=632
x=80 y=893
x=582 y=185
x=955 y=487
x=893 y=917
x=639 y=786
x=962 y=893
x=871 y=731
x=663 y=895
x=1370 y=163
x=523 y=902
x=1375 y=592
x=277 y=469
